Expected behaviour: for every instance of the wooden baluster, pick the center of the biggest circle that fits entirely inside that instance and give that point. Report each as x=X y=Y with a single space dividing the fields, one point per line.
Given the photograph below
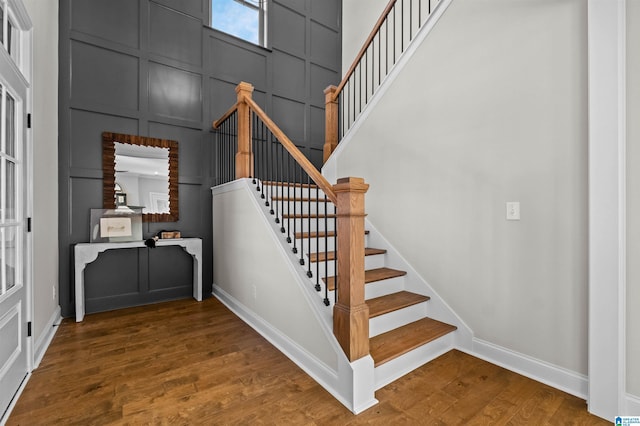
x=331 y=122
x=244 y=156
x=351 y=313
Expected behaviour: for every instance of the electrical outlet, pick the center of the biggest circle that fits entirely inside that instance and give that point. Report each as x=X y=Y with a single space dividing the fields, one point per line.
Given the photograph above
x=255 y=292
x=513 y=210
x=54 y=292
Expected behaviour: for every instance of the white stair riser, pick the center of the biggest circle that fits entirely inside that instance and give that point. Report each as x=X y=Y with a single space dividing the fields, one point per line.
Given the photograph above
x=384 y=287
x=392 y=320
x=398 y=367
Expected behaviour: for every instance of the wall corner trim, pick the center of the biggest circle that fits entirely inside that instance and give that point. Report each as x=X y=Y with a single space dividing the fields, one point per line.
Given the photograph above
x=607 y=206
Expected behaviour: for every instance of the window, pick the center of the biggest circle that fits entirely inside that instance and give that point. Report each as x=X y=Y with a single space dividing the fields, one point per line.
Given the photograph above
x=9 y=34
x=241 y=18
x=9 y=189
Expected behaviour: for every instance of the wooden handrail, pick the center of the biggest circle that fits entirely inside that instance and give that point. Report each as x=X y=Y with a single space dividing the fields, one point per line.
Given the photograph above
x=364 y=48
x=302 y=160
x=226 y=115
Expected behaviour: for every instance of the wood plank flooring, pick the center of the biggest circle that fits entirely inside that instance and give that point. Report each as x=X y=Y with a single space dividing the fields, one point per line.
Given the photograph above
x=185 y=363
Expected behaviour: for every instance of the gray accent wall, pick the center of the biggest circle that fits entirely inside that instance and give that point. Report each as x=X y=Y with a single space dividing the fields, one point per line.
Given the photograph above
x=154 y=68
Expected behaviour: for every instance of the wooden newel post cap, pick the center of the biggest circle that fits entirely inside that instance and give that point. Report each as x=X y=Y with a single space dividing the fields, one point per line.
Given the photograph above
x=244 y=88
x=330 y=94
x=330 y=89
x=351 y=184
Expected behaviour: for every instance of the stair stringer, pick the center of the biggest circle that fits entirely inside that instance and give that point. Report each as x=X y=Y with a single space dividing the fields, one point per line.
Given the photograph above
x=437 y=308
x=330 y=167
x=351 y=383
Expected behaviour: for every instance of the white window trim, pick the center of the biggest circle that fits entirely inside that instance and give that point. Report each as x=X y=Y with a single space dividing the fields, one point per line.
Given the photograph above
x=261 y=7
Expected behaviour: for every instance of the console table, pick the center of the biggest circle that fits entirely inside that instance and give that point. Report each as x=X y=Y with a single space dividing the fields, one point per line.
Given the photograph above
x=86 y=253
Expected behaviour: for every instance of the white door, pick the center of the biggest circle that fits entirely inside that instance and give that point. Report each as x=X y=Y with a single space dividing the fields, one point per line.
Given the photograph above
x=14 y=289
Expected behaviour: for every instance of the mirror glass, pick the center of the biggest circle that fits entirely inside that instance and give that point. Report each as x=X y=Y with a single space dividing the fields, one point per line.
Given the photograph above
x=142 y=176
x=141 y=172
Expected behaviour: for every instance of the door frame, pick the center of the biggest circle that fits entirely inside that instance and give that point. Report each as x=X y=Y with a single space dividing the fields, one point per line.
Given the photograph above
x=22 y=67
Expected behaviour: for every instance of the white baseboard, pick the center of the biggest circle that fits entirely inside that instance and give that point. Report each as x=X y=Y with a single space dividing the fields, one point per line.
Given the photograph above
x=44 y=340
x=5 y=417
x=560 y=378
x=632 y=405
x=39 y=349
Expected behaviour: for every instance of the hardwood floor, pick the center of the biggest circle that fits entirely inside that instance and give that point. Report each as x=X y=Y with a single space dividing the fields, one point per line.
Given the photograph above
x=186 y=362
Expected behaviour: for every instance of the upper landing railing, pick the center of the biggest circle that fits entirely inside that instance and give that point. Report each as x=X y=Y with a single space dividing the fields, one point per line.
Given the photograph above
x=395 y=29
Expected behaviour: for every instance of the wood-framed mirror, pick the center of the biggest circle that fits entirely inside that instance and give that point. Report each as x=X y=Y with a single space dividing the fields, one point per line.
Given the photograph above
x=141 y=172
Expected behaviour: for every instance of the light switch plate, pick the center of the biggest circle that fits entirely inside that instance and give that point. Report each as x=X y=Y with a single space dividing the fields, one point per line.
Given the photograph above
x=513 y=210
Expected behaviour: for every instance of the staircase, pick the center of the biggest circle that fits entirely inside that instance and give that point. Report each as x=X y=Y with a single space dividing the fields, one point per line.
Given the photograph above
x=354 y=331
x=398 y=320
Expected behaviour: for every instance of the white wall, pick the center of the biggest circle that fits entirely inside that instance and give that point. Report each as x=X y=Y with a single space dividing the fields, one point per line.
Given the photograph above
x=255 y=273
x=360 y=16
x=633 y=197
x=492 y=108
x=44 y=15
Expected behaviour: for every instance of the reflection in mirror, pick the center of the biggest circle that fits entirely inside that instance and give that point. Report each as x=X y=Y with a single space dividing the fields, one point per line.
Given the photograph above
x=141 y=172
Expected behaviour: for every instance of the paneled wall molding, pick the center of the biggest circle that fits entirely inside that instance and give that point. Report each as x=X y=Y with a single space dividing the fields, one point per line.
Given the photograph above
x=193 y=9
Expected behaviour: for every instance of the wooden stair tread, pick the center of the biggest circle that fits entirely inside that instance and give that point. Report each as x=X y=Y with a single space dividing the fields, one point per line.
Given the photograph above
x=320 y=234
x=392 y=344
x=331 y=255
x=393 y=302
x=308 y=216
x=370 y=276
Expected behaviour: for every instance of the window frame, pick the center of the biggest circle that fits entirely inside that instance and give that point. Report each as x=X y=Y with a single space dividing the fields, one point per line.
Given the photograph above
x=10 y=34
x=261 y=7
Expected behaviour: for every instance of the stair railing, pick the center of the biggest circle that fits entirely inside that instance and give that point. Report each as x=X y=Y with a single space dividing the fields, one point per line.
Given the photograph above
x=398 y=24
x=251 y=145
